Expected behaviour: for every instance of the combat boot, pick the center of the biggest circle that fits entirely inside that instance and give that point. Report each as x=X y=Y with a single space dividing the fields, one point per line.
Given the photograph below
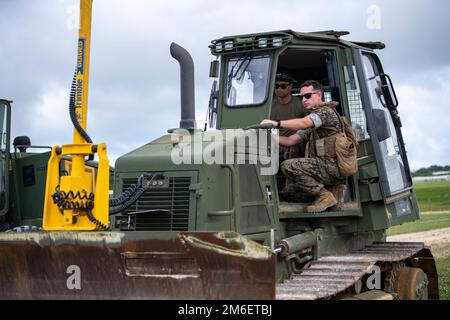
x=324 y=200
x=292 y=193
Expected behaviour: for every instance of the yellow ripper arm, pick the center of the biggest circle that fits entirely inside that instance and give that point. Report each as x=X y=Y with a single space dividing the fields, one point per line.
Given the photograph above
x=82 y=70
x=78 y=201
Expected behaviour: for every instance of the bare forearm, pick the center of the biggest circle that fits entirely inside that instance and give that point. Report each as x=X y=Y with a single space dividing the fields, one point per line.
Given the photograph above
x=289 y=141
x=297 y=124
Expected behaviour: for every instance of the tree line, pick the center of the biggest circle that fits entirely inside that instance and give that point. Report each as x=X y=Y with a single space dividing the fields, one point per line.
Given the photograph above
x=425 y=172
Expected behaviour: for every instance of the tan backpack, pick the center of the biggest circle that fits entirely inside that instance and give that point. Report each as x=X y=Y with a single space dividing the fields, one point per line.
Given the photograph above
x=345 y=148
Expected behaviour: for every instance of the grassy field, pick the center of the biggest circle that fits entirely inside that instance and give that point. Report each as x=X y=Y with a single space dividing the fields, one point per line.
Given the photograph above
x=429 y=221
x=443 y=269
x=433 y=196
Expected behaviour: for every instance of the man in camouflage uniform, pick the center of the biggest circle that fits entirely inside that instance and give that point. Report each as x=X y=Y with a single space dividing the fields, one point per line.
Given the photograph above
x=319 y=168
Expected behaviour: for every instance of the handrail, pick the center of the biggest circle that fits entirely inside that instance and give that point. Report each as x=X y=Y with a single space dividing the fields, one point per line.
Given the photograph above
x=233 y=189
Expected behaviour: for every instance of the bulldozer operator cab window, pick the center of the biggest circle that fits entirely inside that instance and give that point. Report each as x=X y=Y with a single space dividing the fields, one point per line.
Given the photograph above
x=319 y=65
x=247 y=80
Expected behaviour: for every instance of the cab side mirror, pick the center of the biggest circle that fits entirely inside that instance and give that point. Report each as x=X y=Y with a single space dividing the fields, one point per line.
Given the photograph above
x=214 y=69
x=382 y=124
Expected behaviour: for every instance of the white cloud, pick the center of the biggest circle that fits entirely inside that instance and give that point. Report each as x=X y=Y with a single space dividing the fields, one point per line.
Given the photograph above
x=424 y=110
x=134 y=83
x=47 y=120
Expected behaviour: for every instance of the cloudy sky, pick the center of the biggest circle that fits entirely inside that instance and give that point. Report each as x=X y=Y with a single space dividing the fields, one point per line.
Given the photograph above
x=134 y=83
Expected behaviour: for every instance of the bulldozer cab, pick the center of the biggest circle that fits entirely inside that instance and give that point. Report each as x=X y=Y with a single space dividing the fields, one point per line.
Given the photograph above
x=352 y=75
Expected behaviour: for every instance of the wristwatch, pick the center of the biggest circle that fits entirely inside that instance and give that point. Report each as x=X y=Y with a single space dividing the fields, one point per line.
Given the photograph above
x=278 y=124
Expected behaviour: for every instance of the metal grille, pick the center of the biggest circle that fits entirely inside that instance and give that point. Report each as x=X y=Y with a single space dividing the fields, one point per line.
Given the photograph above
x=357 y=115
x=175 y=198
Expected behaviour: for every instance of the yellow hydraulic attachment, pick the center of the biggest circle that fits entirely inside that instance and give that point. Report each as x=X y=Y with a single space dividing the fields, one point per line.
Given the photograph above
x=71 y=203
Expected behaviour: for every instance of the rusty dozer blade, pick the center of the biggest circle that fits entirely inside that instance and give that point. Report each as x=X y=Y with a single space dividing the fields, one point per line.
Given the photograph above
x=134 y=265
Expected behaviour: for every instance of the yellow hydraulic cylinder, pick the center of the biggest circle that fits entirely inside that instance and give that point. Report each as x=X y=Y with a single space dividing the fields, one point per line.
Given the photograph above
x=72 y=202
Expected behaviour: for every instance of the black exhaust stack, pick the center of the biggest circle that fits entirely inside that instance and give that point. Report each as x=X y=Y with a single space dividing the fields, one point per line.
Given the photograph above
x=187 y=86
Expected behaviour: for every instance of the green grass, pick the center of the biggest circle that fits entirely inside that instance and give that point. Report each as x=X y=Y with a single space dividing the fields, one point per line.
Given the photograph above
x=429 y=221
x=433 y=196
x=443 y=269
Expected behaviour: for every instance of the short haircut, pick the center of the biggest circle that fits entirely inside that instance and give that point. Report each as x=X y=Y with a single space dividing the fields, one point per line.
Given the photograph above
x=312 y=83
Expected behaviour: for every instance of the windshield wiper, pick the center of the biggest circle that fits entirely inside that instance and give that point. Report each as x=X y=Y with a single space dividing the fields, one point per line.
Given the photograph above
x=244 y=60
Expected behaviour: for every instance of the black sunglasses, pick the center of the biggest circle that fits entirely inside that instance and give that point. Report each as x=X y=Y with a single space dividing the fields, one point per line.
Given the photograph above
x=307 y=96
x=282 y=86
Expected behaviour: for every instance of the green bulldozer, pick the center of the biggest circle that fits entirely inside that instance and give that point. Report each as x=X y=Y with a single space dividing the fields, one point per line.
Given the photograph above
x=22 y=177
x=203 y=229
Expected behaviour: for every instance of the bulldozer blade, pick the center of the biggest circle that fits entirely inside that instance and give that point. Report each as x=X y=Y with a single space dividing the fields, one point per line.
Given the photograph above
x=134 y=265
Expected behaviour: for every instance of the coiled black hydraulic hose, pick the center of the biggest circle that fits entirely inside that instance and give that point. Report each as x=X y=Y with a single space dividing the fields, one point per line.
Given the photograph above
x=71 y=200
x=77 y=200
x=131 y=194
x=84 y=201
x=94 y=220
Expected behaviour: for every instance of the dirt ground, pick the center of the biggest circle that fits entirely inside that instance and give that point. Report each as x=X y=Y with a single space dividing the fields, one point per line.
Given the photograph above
x=439 y=240
x=434 y=212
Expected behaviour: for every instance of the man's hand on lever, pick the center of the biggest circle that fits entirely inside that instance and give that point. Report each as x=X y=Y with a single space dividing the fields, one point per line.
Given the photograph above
x=284 y=141
x=275 y=124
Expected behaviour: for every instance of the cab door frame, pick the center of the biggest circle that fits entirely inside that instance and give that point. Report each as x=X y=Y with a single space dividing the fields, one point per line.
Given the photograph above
x=5 y=156
x=393 y=189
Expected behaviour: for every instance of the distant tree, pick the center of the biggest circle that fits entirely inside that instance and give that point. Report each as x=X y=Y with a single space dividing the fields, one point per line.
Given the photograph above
x=425 y=172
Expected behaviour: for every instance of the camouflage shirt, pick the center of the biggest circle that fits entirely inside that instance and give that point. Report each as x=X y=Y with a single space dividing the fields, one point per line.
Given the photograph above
x=326 y=122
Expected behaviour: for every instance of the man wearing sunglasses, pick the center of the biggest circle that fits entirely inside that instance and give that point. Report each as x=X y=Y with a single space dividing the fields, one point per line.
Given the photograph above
x=284 y=107
x=319 y=169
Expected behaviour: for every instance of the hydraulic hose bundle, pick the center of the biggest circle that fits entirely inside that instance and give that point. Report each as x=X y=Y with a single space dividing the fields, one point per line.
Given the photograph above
x=69 y=200
x=85 y=202
x=77 y=201
x=132 y=193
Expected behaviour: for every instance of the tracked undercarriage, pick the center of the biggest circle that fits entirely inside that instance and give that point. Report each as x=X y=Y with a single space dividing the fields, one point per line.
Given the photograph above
x=405 y=270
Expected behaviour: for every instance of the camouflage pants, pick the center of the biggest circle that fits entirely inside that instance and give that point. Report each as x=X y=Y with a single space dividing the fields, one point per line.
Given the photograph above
x=297 y=151
x=311 y=175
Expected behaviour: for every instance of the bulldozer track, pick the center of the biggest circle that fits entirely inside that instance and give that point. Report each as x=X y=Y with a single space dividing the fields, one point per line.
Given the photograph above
x=331 y=275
